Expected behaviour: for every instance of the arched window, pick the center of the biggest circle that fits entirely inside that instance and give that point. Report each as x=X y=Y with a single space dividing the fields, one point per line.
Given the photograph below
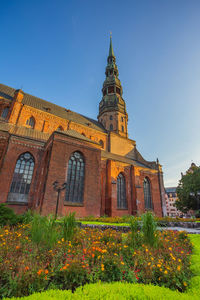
x=75 y=178
x=111 y=127
x=111 y=117
x=147 y=193
x=5 y=112
x=22 y=177
x=121 y=192
x=60 y=128
x=31 y=122
x=101 y=143
x=122 y=128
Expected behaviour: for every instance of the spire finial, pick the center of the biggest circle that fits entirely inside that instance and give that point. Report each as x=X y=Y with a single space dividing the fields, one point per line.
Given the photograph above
x=111 y=52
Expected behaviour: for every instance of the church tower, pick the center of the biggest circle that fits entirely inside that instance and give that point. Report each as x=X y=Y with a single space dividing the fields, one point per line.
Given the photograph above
x=112 y=108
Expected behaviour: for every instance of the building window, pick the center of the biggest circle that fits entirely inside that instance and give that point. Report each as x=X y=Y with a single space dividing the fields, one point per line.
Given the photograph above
x=110 y=89
x=118 y=91
x=75 y=178
x=147 y=193
x=121 y=192
x=101 y=143
x=111 y=127
x=5 y=112
x=111 y=117
x=31 y=122
x=60 y=128
x=22 y=178
x=122 y=128
x=122 y=119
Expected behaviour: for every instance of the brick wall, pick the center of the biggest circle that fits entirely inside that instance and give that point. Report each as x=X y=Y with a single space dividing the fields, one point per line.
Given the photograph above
x=62 y=149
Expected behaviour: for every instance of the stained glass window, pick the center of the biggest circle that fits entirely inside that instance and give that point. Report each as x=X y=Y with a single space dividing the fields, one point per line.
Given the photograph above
x=147 y=193
x=22 y=177
x=121 y=192
x=75 y=178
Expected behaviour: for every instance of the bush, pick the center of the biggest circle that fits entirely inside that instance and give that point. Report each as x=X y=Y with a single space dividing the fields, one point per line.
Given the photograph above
x=7 y=216
x=69 y=226
x=149 y=229
x=136 y=239
x=43 y=231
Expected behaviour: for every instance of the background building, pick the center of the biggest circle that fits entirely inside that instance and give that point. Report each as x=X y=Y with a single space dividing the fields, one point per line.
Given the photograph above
x=41 y=143
x=170 y=198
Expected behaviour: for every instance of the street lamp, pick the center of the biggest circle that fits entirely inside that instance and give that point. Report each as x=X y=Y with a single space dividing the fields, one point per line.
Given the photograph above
x=58 y=188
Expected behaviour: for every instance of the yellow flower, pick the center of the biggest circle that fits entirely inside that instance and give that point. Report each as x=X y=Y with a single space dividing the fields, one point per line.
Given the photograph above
x=122 y=262
x=184 y=283
x=170 y=248
x=165 y=272
x=158 y=265
x=178 y=268
x=102 y=267
x=149 y=264
x=147 y=250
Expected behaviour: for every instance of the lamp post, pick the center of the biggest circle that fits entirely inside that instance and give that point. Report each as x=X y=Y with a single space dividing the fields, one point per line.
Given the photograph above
x=58 y=188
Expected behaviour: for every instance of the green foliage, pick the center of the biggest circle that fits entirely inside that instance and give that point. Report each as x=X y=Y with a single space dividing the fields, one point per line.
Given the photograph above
x=136 y=239
x=69 y=226
x=7 y=216
x=149 y=229
x=28 y=266
x=187 y=191
x=43 y=231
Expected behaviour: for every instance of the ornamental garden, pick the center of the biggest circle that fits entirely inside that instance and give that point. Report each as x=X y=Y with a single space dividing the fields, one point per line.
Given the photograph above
x=41 y=254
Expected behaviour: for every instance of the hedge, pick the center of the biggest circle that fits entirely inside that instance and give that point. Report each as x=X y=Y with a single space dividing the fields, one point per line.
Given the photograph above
x=120 y=291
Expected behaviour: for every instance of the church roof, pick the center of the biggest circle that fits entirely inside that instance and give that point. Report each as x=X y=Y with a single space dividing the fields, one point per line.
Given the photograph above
x=43 y=105
x=76 y=134
x=24 y=131
x=132 y=161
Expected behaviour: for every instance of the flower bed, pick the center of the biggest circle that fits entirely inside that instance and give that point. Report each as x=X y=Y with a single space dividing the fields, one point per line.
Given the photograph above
x=27 y=266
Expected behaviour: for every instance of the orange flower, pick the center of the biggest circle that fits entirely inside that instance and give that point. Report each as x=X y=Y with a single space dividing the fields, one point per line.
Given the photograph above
x=39 y=272
x=26 y=268
x=46 y=271
x=17 y=247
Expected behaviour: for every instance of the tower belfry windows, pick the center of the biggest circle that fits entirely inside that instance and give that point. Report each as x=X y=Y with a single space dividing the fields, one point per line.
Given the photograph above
x=112 y=102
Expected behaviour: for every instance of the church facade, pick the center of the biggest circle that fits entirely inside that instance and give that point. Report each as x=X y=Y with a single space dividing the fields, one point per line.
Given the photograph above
x=41 y=143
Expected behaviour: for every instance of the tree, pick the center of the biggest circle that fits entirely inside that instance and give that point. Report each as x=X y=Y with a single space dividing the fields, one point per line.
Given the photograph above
x=188 y=190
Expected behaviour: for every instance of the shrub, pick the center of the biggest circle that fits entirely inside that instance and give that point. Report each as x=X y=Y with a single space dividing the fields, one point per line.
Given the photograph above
x=149 y=228
x=7 y=216
x=43 y=230
x=69 y=226
x=136 y=239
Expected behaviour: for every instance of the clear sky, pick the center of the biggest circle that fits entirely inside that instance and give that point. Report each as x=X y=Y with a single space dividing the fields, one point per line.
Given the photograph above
x=57 y=50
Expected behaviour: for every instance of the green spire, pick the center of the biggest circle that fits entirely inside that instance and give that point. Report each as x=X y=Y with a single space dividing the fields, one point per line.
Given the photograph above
x=111 y=52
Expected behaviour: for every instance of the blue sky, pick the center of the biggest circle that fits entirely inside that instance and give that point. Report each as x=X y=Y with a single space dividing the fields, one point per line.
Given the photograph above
x=57 y=50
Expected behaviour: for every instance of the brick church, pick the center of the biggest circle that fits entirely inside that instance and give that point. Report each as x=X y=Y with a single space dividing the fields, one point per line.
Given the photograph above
x=41 y=142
